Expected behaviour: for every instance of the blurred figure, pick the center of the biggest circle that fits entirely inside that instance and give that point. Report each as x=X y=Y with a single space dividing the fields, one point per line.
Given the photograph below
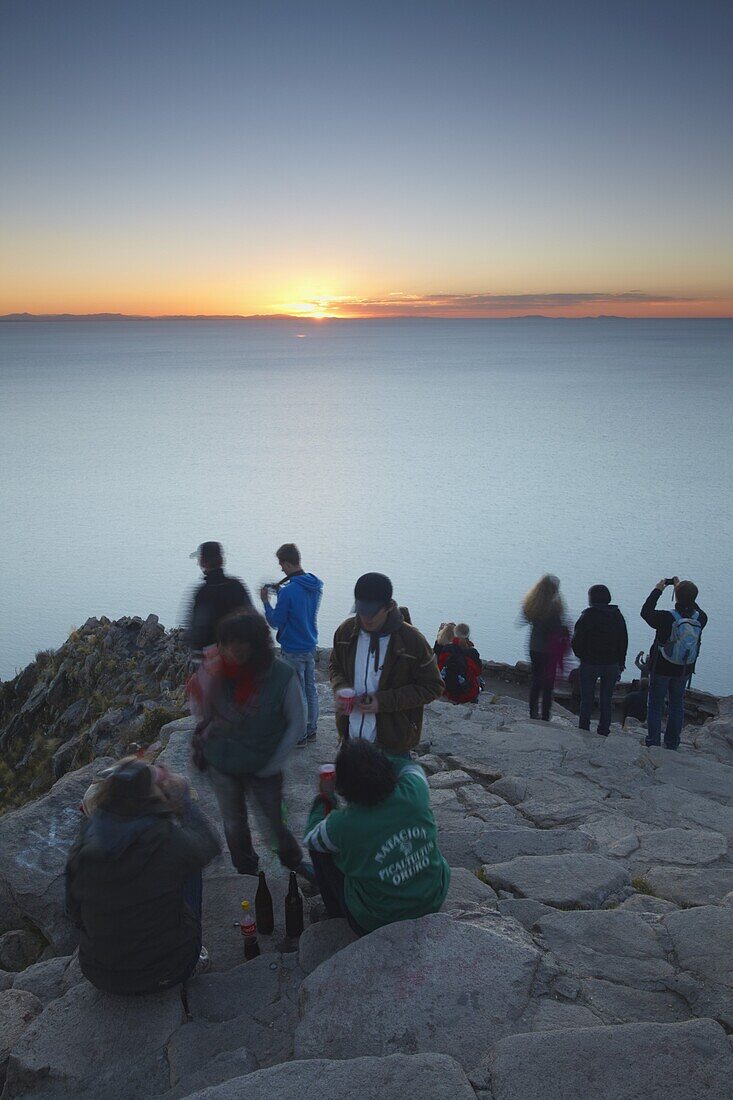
x=460 y=667
x=250 y=712
x=544 y=609
x=600 y=642
x=672 y=657
x=387 y=664
x=294 y=617
x=133 y=881
x=216 y=598
x=376 y=857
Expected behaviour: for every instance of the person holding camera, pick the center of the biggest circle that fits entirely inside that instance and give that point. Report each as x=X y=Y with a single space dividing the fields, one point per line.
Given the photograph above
x=672 y=657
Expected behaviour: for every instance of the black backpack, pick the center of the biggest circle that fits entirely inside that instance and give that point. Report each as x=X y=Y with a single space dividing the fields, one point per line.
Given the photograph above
x=455 y=672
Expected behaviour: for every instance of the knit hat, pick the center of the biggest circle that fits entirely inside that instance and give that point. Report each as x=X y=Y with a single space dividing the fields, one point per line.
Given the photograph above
x=129 y=786
x=598 y=593
x=372 y=592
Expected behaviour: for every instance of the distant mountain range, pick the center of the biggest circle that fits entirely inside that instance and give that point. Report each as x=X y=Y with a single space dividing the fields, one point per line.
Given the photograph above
x=20 y=317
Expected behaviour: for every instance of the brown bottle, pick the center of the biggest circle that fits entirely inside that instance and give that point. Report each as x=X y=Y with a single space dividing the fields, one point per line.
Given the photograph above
x=264 y=912
x=293 y=909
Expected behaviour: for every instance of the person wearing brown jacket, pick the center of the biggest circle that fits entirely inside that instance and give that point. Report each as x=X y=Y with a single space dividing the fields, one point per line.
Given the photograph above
x=390 y=666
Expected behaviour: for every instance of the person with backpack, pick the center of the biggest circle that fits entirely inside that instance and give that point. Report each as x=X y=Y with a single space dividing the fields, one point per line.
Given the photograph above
x=460 y=667
x=674 y=652
x=600 y=641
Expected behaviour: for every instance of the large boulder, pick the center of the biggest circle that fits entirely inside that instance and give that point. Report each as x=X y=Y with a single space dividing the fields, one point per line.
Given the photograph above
x=610 y=944
x=320 y=941
x=430 y=984
x=18 y=1009
x=35 y=842
x=688 y=886
x=575 y=880
x=629 y=1062
x=702 y=940
x=509 y=841
x=398 y=1077
x=91 y=1044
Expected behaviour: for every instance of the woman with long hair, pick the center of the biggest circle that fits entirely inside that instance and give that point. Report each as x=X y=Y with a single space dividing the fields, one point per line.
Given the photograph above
x=544 y=609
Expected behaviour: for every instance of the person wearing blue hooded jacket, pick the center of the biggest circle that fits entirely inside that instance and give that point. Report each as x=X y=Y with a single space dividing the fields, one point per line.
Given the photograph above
x=294 y=618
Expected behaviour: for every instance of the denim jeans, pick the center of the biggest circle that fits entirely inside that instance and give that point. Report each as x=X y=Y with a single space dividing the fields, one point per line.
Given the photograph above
x=589 y=674
x=305 y=665
x=659 y=688
x=231 y=793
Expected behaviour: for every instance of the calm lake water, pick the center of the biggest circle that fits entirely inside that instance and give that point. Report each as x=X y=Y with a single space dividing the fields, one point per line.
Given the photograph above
x=463 y=458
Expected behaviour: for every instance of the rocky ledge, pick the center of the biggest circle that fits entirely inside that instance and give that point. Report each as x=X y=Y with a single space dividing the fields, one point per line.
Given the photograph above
x=584 y=948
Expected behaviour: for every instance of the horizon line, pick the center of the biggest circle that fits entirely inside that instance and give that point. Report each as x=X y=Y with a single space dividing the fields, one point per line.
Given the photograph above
x=25 y=317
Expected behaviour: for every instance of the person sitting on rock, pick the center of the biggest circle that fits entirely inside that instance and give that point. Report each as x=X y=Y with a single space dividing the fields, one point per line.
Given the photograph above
x=390 y=666
x=376 y=857
x=133 y=881
x=216 y=598
x=251 y=712
x=600 y=641
x=460 y=667
x=672 y=657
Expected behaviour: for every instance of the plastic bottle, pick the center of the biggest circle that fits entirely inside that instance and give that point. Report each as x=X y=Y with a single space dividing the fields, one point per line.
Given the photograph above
x=293 y=909
x=248 y=928
x=264 y=912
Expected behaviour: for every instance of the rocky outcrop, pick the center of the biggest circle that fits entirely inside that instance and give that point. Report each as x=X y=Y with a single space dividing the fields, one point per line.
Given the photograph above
x=583 y=949
x=110 y=684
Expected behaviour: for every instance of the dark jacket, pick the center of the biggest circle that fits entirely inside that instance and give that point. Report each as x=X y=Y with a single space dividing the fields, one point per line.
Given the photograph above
x=545 y=632
x=124 y=889
x=217 y=597
x=600 y=636
x=409 y=680
x=662 y=622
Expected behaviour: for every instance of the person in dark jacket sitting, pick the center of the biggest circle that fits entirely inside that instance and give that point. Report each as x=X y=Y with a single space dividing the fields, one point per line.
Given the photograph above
x=216 y=598
x=133 y=881
x=671 y=659
x=600 y=641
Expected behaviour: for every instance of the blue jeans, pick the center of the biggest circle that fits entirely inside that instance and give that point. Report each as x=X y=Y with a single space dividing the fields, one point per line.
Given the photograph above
x=305 y=665
x=659 y=688
x=589 y=674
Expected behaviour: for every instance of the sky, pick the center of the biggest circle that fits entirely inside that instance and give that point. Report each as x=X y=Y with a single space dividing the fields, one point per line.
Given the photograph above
x=491 y=158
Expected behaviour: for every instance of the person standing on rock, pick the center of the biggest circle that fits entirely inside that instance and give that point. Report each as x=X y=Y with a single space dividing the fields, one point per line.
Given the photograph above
x=294 y=617
x=216 y=598
x=389 y=666
x=544 y=609
x=133 y=881
x=600 y=641
x=376 y=857
x=672 y=657
x=250 y=712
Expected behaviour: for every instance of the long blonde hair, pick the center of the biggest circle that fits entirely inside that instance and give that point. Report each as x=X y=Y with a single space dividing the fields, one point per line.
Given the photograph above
x=543 y=600
x=445 y=634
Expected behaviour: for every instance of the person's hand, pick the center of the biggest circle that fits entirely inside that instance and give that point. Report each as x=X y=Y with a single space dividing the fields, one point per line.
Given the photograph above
x=367 y=704
x=662 y=584
x=264 y=593
x=675 y=581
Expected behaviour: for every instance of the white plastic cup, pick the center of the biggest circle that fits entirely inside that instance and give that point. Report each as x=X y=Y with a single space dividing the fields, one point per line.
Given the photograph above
x=327 y=771
x=347 y=697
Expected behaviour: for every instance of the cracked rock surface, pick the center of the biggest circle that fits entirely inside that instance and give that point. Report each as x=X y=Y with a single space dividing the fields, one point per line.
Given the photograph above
x=584 y=948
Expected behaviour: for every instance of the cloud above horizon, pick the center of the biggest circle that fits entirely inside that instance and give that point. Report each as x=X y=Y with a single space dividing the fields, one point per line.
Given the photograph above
x=560 y=303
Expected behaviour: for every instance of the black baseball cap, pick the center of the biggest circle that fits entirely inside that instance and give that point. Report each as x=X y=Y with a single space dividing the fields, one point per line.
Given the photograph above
x=372 y=592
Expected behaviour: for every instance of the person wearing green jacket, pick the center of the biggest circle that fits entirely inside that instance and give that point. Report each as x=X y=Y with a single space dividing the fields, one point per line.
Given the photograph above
x=376 y=856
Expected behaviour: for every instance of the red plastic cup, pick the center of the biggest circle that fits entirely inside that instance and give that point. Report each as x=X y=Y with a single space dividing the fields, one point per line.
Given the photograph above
x=327 y=771
x=347 y=697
